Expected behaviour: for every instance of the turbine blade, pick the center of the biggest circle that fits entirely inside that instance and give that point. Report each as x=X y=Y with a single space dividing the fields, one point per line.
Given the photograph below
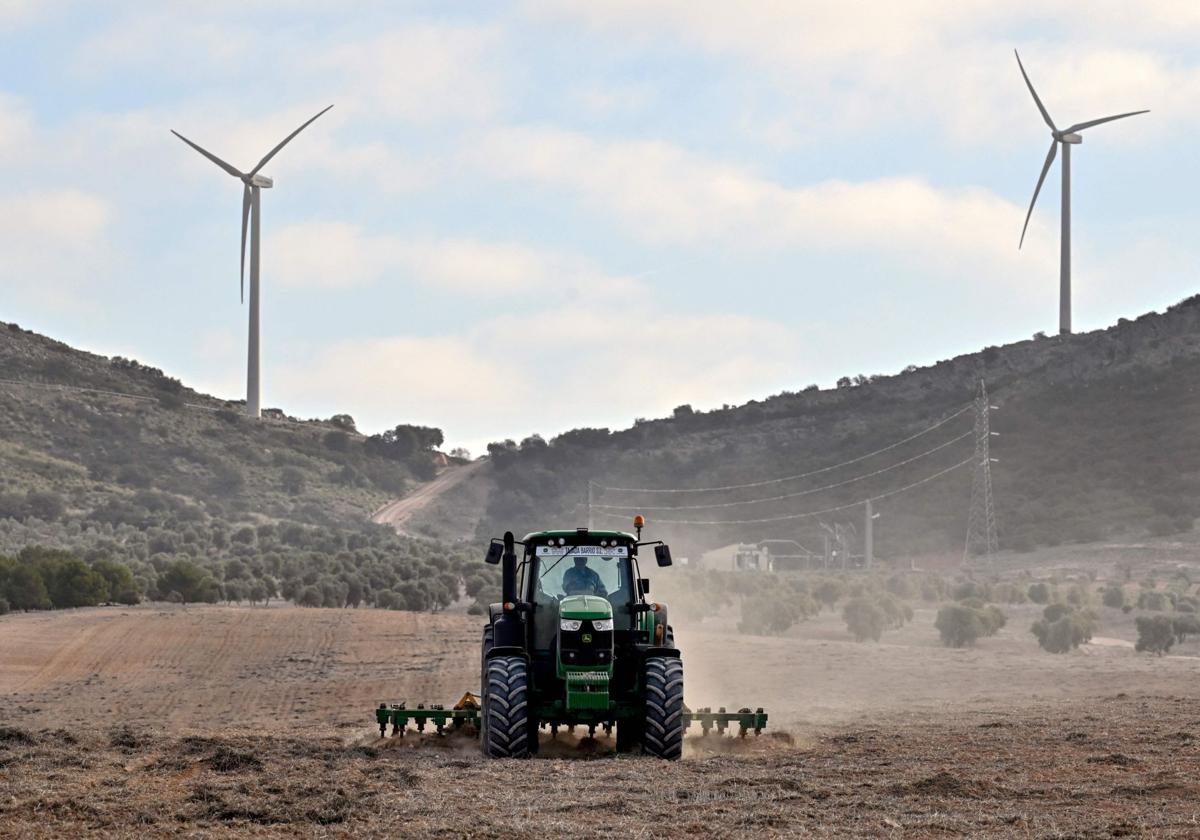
x=1081 y=126
x=1029 y=84
x=245 y=219
x=286 y=140
x=1041 y=178
x=231 y=170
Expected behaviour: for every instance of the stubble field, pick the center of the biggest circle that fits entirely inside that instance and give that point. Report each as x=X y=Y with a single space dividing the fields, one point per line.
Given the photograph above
x=218 y=721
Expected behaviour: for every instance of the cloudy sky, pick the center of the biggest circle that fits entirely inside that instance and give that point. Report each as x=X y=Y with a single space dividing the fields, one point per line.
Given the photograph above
x=530 y=216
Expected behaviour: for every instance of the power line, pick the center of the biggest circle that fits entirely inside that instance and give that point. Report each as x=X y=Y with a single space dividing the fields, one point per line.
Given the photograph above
x=797 y=494
x=809 y=514
x=767 y=482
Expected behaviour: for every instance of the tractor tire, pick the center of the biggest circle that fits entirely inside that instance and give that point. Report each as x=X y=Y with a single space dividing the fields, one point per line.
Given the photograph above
x=663 y=733
x=489 y=635
x=508 y=727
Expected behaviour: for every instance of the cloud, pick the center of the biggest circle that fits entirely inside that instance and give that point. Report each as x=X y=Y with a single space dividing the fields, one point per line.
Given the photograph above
x=338 y=255
x=420 y=73
x=47 y=239
x=838 y=70
x=16 y=126
x=662 y=193
x=548 y=371
x=450 y=381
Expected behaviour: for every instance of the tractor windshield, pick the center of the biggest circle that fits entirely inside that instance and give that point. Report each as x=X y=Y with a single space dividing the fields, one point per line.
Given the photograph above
x=581 y=570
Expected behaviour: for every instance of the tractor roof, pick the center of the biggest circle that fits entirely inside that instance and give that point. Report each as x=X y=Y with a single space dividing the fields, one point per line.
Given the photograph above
x=607 y=535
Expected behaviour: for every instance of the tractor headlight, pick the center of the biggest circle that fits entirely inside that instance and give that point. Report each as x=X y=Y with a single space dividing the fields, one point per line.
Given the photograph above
x=602 y=624
x=571 y=624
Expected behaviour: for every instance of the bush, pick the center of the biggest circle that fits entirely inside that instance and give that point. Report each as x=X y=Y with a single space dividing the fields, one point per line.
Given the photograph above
x=1054 y=612
x=767 y=615
x=960 y=626
x=49 y=507
x=994 y=619
x=1062 y=629
x=1184 y=626
x=24 y=589
x=864 y=618
x=1114 y=597
x=1153 y=601
x=829 y=591
x=1039 y=593
x=3 y=607
x=1156 y=634
x=190 y=583
x=293 y=481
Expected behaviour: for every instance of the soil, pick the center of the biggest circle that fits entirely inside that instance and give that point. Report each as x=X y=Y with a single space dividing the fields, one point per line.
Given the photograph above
x=220 y=721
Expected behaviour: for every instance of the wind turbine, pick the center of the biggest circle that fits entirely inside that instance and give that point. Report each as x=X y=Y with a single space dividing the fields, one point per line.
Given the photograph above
x=252 y=185
x=1067 y=137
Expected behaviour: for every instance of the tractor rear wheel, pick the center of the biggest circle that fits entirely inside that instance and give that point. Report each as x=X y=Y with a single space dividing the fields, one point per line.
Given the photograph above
x=508 y=727
x=663 y=732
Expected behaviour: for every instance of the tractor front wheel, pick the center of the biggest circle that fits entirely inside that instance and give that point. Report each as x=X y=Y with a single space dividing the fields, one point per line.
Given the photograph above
x=508 y=727
x=662 y=735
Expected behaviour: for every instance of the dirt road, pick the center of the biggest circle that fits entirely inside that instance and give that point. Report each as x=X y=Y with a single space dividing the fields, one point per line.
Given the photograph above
x=398 y=513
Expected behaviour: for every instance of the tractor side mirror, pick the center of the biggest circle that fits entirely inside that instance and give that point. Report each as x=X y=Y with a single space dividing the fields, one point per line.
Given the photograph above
x=494 y=553
x=662 y=555
x=644 y=585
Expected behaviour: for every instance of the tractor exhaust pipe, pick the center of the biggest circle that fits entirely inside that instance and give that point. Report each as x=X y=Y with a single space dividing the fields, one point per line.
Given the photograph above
x=508 y=571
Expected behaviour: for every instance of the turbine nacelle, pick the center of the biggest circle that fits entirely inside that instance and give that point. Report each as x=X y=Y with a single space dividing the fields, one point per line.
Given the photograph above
x=1069 y=137
x=261 y=181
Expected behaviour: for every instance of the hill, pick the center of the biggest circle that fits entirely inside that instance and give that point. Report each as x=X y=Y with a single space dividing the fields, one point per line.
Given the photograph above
x=108 y=459
x=1096 y=439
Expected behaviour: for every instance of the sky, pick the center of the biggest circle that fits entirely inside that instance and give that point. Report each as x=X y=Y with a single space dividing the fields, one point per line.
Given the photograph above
x=526 y=217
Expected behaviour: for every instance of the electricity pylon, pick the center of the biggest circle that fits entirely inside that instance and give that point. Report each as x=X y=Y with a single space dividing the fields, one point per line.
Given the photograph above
x=981 y=522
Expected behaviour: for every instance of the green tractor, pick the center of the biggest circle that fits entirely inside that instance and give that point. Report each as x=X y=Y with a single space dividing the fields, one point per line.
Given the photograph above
x=575 y=642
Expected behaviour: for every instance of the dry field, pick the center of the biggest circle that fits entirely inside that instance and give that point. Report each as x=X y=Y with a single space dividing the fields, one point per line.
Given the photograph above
x=214 y=721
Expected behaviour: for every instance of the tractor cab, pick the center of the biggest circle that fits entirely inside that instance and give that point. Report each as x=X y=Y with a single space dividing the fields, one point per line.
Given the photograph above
x=574 y=609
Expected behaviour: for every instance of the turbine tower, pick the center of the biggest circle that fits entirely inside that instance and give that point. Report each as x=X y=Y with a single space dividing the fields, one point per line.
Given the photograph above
x=252 y=185
x=1067 y=137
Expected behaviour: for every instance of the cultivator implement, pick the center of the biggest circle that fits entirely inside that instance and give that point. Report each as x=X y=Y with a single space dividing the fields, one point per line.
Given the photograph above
x=466 y=712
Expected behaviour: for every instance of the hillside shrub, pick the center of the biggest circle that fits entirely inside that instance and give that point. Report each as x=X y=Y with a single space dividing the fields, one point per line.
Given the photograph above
x=1040 y=593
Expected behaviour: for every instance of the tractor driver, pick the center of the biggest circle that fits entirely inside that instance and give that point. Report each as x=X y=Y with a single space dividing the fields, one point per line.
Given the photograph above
x=580 y=579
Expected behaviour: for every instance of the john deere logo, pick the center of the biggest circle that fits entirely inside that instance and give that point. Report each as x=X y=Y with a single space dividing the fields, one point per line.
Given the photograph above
x=587 y=637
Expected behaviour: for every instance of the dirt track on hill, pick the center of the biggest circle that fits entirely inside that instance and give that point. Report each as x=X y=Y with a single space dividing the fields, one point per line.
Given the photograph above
x=398 y=513
x=230 y=720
